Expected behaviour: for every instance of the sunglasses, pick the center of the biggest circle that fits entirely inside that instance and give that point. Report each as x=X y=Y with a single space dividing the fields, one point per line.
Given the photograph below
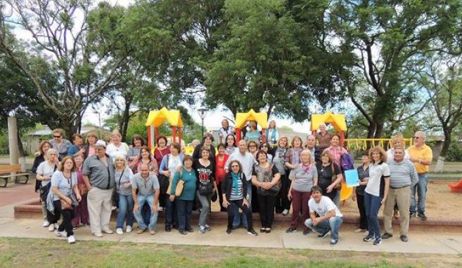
x=57 y=137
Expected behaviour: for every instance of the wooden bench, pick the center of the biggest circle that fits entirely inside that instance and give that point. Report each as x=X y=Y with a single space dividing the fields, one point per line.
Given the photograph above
x=10 y=171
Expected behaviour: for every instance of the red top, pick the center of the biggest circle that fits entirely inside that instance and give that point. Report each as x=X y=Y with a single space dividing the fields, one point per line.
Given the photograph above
x=220 y=167
x=160 y=153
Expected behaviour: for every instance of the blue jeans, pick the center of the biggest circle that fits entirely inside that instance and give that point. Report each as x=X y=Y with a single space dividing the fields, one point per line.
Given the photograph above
x=139 y=218
x=421 y=189
x=372 y=205
x=184 y=210
x=235 y=210
x=125 y=211
x=332 y=225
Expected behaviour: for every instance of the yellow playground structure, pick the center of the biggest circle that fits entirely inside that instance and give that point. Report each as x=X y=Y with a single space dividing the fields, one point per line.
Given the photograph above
x=243 y=118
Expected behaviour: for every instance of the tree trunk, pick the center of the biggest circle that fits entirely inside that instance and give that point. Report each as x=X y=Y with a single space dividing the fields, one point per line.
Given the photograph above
x=444 y=151
x=125 y=118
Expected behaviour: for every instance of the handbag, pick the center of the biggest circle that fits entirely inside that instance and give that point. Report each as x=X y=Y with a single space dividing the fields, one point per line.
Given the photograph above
x=82 y=188
x=179 y=188
x=74 y=202
x=205 y=188
x=44 y=190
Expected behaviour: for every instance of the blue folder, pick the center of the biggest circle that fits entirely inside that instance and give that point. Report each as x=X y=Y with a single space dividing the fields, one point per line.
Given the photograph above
x=352 y=178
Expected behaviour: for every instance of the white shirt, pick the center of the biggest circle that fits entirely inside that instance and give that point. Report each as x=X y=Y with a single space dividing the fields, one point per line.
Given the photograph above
x=113 y=150
x=246 y=161
x=45 y=169
x=376 y=171
x=325 y=205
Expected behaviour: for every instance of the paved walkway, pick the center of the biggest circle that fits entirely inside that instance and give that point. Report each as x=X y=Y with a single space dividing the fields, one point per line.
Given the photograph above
x=420 y=240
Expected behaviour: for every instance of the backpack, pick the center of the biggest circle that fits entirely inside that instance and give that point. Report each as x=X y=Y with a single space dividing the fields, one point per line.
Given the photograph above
x=346 y=162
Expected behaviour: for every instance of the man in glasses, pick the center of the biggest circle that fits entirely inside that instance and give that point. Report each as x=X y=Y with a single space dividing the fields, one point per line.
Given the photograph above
x=59 y=143
x=421 y=155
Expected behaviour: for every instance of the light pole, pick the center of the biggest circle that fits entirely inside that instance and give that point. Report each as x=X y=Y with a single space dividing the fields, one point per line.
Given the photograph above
x=201 y=111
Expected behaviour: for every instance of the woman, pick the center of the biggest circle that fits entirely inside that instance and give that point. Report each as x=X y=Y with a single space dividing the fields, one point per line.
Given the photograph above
x=304 y=176
x=282 y=203
x=39 y=158
x=225 y=130
x=206 y=186
x=266 y=178
x=90 y=148
x=161 y=149
x=220 y=161
x=81 y=211
x=336 y=151
x=231 y=144
x=63 y=197
x=358 y=194
x=329 y=176
x=206 y=144
x=134 y=151
x=145 y=157
x=293 y=154
x=116 y=146
x=44 y=172
x=77 y=145
x=272 y=134
x=265 y=147
x=376 y=192
x=123 y=176
x=252 y=134
x=185 y=201
x=252 y=146
x=169 y=165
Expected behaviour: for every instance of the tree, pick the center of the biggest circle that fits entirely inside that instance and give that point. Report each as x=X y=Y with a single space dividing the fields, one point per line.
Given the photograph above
x=60 y=36
x=388 y=42
x=443 y=82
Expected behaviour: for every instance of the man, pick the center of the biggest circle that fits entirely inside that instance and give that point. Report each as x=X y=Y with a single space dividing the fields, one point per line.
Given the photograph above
x=98 y=175
x=323 y=137
x=421 y=155
x=247 y=161
x=60 y=144
x=148 y=192
x=325 y=217
x=403 y=176
x=311 y=145
x=224 y=131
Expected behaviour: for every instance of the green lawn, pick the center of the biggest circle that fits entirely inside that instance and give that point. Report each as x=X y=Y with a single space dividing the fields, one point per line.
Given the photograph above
x=54 y=253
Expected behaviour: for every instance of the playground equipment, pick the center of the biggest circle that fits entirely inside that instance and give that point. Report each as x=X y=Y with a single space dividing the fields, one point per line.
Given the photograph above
x=456 y=187
x=157 y=118
x=242 y=118
x=364 y=144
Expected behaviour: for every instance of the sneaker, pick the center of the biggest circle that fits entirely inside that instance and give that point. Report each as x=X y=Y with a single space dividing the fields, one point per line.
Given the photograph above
x=386 y=236
x=152 y=232
x=45 y=223
x=290 y=230
x=333 y=241
x=60 y=233
x=71 y=239
x=207 y=228
x=140 y=231
x=359 y=230
x=368 y=238
x=285 y=212
x=51 y=227
x=377 y=241
x=404 y=238
x=98 y=234
x=306 y=231
x=119 y=231
x=202 y=229
x=412 y=214
x=268 y=230
x=252 y=232
x=183 y=232
x=108 y=231
x=262 y=230
x=323 y=235
x=168 y=228
x=422 y=216
x=189 y=230
x=129 y=229
x=229 y=230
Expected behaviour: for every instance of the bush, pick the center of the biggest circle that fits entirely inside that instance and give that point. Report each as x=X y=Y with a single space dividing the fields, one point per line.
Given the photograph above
x=454 y=152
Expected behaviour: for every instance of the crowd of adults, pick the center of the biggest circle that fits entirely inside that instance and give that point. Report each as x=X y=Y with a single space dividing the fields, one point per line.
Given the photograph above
x=81 y=182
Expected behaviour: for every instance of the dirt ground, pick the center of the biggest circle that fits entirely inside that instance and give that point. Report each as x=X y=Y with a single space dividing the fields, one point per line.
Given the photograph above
x=441 y=202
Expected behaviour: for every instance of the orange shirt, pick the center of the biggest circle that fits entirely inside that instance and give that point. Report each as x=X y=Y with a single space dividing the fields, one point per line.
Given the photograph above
x=423 y=153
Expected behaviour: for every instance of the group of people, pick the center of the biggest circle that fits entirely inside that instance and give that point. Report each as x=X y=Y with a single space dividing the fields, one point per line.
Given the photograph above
x=84 y=181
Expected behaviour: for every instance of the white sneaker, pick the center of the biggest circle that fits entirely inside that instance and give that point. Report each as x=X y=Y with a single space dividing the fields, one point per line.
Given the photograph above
x=129 y=229
x=71 y=239
x=285 y=212
x=119 y=231
x=45 y=223
x=108 y=231
x=51 y=227
x=61 y=233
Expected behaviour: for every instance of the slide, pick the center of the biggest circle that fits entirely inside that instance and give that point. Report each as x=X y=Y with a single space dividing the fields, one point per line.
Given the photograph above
x=456 y=187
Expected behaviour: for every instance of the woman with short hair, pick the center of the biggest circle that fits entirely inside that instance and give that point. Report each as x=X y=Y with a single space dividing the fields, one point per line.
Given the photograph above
x=252 y=134
x=63 y=197
x=44 y=172
x=81 y=216
x=282 y=203
x=206 y=144
x=134 y=151
x=116 y=146
x=90 y=148
x=329 y=176
x=39 y=158
x=220 y=173
x=77 y=145
x=123 y=181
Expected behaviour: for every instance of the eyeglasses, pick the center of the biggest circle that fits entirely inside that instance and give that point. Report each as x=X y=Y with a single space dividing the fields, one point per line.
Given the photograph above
x=56 y=137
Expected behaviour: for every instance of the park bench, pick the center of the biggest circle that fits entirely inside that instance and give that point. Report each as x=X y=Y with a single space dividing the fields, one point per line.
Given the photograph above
x=10 y=171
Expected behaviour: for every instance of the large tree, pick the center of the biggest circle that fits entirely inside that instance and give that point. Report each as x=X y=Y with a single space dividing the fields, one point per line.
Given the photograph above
x=389 y=41
x=59 y=32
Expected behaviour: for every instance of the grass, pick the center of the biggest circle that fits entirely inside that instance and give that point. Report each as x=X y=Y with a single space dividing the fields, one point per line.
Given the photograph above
x=15 y=252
